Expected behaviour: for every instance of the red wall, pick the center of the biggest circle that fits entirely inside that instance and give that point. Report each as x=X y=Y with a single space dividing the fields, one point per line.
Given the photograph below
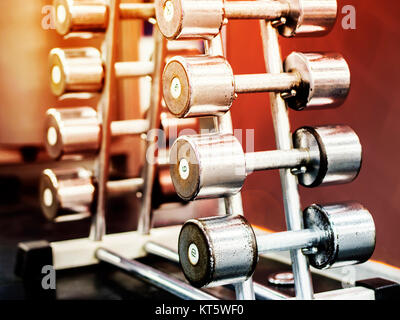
x=371 y=109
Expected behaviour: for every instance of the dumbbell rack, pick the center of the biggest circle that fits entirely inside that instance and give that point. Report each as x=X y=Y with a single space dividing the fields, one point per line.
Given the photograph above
x=291 y=198
x=81 y=252
x=114 y=248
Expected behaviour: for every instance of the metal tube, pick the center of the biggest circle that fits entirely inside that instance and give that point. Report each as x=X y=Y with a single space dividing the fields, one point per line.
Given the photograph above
x=133 y=69
x=107 y=101
x=266 y=82
x=120 y=187
x=289 y=240
x=149 y=169
x=273 y=60
x=137 y=10
x=129 y=127
x=153 y=276
x=268 y=10
x=276 y=159
x=233 y=204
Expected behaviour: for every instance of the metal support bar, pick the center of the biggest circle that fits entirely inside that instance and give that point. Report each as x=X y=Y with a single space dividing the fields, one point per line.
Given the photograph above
x=151 y=143
x=153 y=276
x=126 y=186
x=294 y=221
x=108 y=99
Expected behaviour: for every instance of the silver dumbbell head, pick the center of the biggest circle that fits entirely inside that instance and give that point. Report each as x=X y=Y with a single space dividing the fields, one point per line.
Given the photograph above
x=309 y=18
x=325 y=80
x=339 y=154
x=65 y=191
x=198 y=86
x=188 y=19
x=207 y=166
x=350 y=232
x=71 y=130
x=218 y=250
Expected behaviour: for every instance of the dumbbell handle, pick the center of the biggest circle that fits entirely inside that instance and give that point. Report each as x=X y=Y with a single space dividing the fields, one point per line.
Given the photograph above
x=121 y=187
x=266 y=82
x=137 y=10
x=134 y=69
x=279 y=159
x=290 y=240
x=268 y=10
x=129 y=127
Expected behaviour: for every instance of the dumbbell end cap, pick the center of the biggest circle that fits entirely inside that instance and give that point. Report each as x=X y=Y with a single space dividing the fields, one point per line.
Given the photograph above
x=52 y=135
x=62 y=16
x=48 y=195
x=56 y=72
x=184 y=169
x=176 y=87
x=169 y=17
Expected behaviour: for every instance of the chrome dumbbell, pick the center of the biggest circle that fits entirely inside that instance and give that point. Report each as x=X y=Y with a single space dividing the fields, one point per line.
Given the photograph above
x=68 y=194
x=92 y=15
x=223 y=250
x=82 y=70
x=78 y=130
x=214 y=165
x=205 y=86
x=188 y=19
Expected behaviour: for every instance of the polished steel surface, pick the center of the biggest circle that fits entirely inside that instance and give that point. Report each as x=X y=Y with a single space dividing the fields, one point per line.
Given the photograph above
x=93 y=15
x=71 y=131
x=189 y=19
x=340 y=154
x=71 y=192
x=325 y=80
x=75 y=69
x=309 y=18
x=217 y=251
x=208 y=165
x=205 y=86
x=349 y=232
x=198 y=86
x=64 y=192
x=78 y=130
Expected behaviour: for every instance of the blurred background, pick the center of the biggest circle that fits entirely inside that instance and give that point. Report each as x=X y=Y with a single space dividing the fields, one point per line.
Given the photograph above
x=371 y=49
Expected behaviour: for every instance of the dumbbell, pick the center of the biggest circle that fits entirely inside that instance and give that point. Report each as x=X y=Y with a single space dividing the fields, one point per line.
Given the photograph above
x=82 y=70
x=224 y=250
x=71 y=192
x=188 y=19
x=214 y=165
x=205 y=86
x=92 y=15
x=78 y=130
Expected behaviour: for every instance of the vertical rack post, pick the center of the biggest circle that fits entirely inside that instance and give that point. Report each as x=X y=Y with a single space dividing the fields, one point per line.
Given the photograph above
x=153 y=118
x=233 y=204
x=107 y=101
x=291 y=198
